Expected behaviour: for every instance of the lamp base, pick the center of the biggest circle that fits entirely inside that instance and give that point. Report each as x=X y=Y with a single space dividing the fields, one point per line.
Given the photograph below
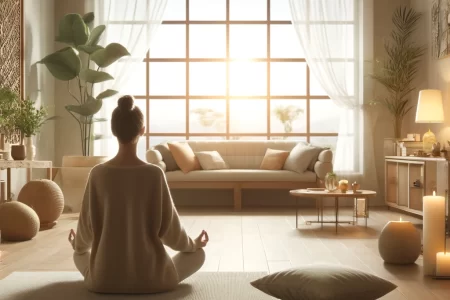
x=428 y=140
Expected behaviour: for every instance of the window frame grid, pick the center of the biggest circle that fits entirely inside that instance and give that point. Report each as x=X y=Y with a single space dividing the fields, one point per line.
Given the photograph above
x=227 y=60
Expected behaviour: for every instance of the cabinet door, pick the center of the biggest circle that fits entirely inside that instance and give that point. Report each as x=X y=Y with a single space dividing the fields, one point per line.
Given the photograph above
x=391 y=181
x=442 y=173
x=431 y=177
x=403 y=184
x=416 y=186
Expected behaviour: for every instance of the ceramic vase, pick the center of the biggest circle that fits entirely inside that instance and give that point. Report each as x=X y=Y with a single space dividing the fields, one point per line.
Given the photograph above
x=30 y=149
x=7 y=152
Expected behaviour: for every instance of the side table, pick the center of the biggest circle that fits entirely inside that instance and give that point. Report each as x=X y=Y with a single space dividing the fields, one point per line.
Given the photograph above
x=24 y=164
x=318 y=195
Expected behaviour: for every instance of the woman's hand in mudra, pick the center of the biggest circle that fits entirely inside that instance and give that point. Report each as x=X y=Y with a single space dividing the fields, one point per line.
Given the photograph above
x=201 y=240
x=72 y=236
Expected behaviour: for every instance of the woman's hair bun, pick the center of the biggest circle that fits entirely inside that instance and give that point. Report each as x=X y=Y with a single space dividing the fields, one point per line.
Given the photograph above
x=126 y=102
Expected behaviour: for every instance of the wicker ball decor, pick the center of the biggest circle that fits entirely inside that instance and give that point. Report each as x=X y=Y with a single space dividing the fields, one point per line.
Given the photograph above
x=18 y=222
x=46 y=198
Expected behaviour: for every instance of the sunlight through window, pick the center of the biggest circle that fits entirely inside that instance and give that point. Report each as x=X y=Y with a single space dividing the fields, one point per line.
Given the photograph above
x=245 y=77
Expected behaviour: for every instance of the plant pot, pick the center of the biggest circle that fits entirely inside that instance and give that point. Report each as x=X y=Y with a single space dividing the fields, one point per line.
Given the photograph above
x=30 y=149
x=18 y=152
x=73 y=176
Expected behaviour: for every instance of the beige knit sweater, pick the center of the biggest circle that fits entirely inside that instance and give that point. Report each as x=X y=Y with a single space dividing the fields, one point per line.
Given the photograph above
x=126 y=216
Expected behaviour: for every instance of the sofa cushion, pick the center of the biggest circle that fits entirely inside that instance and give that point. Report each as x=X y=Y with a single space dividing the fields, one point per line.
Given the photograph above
x=242 y=154
x=171 y=164
x=184 y=156
x=241 y=175
x=301 y=158
x=211 y=160
x=274 y=159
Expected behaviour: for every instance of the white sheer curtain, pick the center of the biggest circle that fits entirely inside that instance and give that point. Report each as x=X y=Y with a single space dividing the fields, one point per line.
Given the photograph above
x=329 y=32
x=132 y=23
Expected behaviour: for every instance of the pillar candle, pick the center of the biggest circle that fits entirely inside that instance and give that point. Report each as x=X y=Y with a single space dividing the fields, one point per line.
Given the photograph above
x=443 y=264
x=433 y=231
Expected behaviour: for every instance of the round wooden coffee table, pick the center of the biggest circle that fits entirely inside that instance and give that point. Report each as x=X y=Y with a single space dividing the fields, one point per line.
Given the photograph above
x=320 y=194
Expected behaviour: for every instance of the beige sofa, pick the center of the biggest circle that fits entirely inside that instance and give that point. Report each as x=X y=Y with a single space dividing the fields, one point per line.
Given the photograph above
x=244 y=159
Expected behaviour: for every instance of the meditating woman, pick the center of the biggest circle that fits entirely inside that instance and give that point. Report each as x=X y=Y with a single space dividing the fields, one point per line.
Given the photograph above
x=127 y=217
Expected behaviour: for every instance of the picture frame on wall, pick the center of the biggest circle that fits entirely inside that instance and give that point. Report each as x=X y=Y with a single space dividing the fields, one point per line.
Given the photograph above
x=440 y=18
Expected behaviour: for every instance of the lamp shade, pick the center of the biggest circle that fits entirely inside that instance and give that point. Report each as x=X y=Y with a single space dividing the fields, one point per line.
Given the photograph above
x=429 y=107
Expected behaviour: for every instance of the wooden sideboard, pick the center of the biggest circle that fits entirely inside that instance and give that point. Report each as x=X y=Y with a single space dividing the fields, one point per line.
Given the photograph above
x=409 y=178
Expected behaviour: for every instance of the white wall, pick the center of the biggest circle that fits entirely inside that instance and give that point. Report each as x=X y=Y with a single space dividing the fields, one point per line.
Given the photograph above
x=39 y=83
x=434 y=74
x=382 y=122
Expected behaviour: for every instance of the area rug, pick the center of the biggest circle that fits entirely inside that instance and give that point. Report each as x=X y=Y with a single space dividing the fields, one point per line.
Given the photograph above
x=69 y=286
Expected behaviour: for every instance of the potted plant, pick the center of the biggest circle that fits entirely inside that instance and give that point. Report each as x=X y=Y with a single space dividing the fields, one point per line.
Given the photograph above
x=29 y=120
x=287 y=115
x=8 y=111
x=399 y=70
x=80 y=64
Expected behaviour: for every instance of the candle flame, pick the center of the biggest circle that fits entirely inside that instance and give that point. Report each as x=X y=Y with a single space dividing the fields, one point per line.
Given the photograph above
x=434 y=193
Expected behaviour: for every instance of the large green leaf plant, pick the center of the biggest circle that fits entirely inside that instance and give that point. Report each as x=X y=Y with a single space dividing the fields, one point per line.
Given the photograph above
x=81 y=61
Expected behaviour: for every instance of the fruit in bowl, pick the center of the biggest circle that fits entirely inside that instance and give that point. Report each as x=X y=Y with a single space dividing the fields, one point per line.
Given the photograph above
x=343 y=185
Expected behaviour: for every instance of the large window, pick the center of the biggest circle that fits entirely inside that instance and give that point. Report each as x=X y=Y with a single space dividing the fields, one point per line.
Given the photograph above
x=230 y=69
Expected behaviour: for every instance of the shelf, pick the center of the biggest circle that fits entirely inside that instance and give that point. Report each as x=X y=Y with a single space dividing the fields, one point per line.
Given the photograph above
x=405 y=208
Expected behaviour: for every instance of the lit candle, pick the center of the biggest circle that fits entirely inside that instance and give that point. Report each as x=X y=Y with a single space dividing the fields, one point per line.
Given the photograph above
x=443 y=264
x=399 y=242
x=433 y=231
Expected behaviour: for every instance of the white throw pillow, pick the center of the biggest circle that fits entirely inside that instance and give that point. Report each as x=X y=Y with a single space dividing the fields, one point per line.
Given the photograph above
x=211 y=160
x=301 y=158
x=323 y=282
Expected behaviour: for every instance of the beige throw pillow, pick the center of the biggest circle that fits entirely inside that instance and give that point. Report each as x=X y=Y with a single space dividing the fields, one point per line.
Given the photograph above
x=184 y=156
x=171 y=164
x=323 y=282
x=211 y=160
x=274 y=159
x=302 y=158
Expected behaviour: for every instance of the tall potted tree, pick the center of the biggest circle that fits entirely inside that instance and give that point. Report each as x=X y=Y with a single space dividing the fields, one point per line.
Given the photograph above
x=397 y=72
x=80 y=65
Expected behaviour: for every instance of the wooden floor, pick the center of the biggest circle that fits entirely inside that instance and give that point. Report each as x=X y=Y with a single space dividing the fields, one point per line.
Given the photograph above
x=261 y=240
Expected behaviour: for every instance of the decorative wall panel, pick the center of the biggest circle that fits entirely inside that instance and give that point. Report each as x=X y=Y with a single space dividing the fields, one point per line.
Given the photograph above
x=11 y=44
x=440 y=18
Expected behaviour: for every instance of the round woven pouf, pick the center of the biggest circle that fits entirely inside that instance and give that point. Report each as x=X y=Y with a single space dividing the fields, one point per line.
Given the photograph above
x=18 y=222
x=399 y=243
x=46 y=198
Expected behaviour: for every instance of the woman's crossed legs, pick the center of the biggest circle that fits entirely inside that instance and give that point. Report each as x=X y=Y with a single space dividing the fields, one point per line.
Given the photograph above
x=186 y=263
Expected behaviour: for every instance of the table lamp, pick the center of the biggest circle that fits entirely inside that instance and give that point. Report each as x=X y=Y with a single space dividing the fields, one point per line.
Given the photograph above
x=429 y=110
